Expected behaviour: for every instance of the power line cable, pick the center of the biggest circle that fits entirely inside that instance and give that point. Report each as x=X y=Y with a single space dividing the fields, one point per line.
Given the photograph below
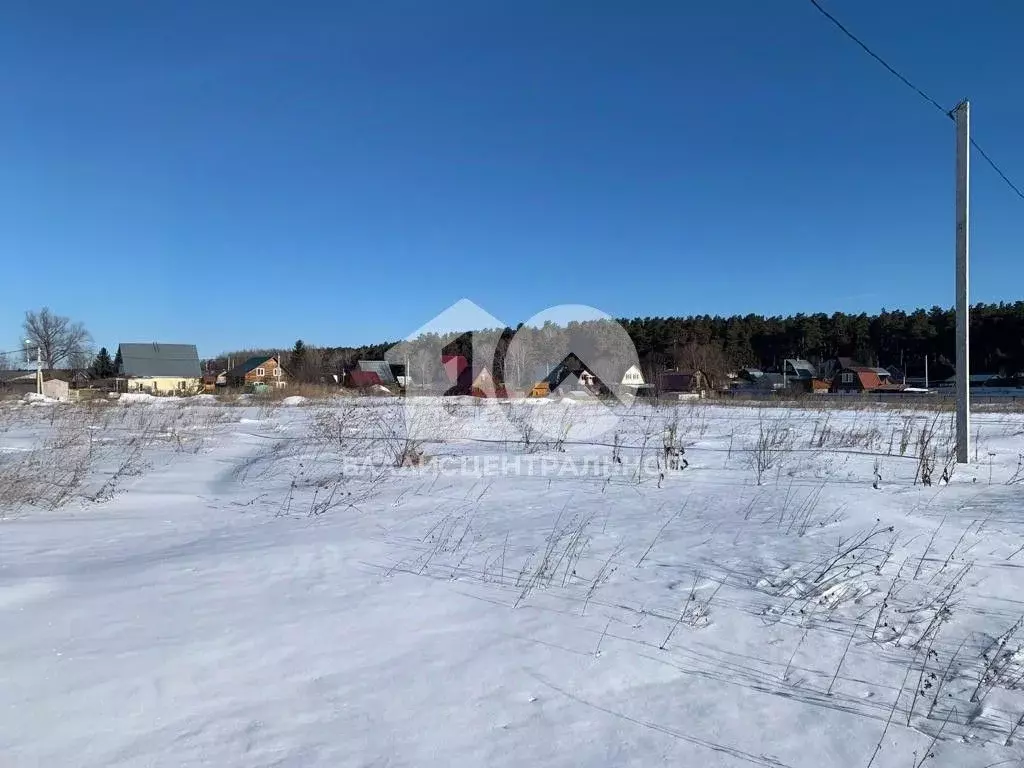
x=895 y=73
x=879 y=59
x=15 y=351
x=997 y=169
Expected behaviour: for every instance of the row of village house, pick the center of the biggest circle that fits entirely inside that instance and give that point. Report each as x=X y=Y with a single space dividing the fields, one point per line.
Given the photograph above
x=175 y=369
x=156 y=368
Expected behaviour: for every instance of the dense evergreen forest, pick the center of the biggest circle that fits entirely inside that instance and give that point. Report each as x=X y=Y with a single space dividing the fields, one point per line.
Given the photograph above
x=718 y=344
x=888 y=338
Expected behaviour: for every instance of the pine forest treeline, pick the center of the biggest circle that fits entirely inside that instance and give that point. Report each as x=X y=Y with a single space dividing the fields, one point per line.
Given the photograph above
x=718 y=344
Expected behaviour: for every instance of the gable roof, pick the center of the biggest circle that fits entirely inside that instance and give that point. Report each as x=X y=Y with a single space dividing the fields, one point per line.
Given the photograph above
x=868 y=377
x=381 y=367
x=800 y=367
x=250 y=365
x=459 y=370
x=483 y=377
x=153 y=359
x=571 y=365
x=623 y=370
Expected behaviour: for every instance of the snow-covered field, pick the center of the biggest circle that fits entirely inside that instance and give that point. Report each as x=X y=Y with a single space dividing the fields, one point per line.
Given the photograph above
x=190 y=583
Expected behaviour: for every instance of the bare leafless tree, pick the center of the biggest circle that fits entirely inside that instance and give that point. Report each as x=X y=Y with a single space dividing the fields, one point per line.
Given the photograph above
x=772 y=445
x=60 y=340
x=517 y=358
x=82 y=358
x=423 y=362
x=707 y=358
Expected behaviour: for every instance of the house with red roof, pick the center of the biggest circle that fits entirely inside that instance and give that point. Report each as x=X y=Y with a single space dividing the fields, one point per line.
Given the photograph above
x=862 y=378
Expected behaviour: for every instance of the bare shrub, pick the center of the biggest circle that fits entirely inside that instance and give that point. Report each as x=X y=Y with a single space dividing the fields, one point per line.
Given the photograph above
x=405 y=438
x=520 y=416
x=820 y=434
x=917 y=611
x=690 y=420
x=771 y=448
x=935 y=448
x=906 y=434
x=78 y=445
x=868 y=438
x=131 y=464
x=564 y=547
x=342 y=460
x=672 y=448
x=695 y=612
x=658 y=535
x=316 y=392
x=650 y=428
x=566 y=422
x=1018 y=474
x=999 y=658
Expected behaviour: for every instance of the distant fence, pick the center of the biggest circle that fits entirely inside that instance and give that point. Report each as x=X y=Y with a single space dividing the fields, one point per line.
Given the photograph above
x=999 y=397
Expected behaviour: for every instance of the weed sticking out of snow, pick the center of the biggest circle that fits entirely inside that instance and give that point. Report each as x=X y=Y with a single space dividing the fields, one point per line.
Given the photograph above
x=356 y=582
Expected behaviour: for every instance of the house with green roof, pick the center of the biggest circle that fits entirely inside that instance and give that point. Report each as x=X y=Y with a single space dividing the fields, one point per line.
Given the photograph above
x=158 y=368
x=261 y=369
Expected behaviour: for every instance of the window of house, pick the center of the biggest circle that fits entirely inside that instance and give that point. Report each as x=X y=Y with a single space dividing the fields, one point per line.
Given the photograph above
x=277 y=372
x=847 y=378
x=261 y=372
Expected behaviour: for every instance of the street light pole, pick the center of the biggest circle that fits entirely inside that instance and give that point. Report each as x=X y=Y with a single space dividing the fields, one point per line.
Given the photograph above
x=39 y=364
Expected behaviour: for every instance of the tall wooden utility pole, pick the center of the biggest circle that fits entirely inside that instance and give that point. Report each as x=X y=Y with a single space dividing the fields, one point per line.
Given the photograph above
x=962 y=116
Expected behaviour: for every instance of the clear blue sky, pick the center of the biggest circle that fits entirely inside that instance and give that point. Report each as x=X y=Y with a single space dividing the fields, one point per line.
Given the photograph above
x=235 y=174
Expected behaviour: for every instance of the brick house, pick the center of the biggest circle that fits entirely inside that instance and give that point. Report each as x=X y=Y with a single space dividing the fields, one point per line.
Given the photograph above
x=261 y=369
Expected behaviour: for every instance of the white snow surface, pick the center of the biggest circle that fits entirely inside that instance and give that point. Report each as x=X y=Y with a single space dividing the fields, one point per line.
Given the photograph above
x=128 y=398
x=38 y=399
x=199 y=584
